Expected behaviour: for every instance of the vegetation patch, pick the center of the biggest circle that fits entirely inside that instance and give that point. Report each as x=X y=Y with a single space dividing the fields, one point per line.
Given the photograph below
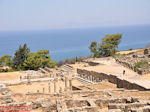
x=25 y=60
x=141 y=64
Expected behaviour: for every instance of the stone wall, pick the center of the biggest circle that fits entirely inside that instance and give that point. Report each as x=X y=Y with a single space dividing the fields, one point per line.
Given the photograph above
x=129 y=60
x=140 y=71
x=121 y=83
x=131 y=66
x=92 y=63
x=74 y=88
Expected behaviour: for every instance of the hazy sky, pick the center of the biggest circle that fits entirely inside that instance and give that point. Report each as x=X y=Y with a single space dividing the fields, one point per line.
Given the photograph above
x=52 y=14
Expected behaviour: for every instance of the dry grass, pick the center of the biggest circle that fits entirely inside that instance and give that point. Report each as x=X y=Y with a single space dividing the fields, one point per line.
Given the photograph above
x=129 y=51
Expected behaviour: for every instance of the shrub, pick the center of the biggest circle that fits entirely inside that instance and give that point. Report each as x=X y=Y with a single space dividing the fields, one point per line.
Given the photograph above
x=141 y=64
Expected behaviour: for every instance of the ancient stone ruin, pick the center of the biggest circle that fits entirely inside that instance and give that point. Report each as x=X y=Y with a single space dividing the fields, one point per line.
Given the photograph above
x=130 y=60
x=85 y=90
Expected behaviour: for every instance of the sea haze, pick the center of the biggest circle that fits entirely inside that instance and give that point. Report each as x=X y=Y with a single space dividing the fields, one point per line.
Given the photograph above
x=69 y=43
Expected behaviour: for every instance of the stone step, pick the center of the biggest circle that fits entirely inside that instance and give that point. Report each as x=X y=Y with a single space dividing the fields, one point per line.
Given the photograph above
x=43 y=70
x=47 y=69
x=85 y=82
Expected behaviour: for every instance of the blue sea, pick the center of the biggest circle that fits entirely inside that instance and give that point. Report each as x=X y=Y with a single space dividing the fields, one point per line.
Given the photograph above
x=69 y=43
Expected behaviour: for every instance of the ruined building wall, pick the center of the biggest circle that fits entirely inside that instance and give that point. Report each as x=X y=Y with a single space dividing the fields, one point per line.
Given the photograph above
x=121 y=83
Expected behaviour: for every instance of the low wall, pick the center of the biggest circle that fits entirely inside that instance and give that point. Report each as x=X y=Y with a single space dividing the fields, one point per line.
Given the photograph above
x=76 y=88
x=126 y=64
x=92 y=63
x=121 y=83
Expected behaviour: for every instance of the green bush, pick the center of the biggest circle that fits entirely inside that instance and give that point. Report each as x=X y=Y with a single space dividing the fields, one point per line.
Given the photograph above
x=141 y=64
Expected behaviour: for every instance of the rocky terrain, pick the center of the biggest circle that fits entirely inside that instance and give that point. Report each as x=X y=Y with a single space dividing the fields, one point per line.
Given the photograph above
x=130 y=60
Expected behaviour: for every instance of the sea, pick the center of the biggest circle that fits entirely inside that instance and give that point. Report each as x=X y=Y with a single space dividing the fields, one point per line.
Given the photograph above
x=74 y=42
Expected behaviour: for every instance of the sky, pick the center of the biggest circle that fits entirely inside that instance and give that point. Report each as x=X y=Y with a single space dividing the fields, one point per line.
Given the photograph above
x=60 y=14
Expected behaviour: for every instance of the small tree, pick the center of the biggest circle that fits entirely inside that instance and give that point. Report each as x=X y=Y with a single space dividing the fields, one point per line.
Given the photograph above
x=108 y=46
x=6 y=60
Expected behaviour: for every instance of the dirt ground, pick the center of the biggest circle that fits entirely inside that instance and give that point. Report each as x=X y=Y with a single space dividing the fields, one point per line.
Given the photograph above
x=78 y=65
x=109 y=66
x=103 y=85
x=10 y=76
x=140 y=94
x=39 y=86
x=146 y=76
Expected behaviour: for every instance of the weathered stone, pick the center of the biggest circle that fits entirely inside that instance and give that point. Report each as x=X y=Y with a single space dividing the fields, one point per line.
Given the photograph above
x=146 y=51
x=134 y=56
x=36 y=105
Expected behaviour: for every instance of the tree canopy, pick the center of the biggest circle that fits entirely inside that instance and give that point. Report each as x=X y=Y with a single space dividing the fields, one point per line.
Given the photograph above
x=20 y=56
x=6 y=60
x=25 y=60
x=38 y=60
x=44 y=55
x=33 y=62
x=108 y=46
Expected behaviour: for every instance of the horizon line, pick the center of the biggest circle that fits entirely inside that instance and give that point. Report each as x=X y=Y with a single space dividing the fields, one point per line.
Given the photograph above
x=69 y=28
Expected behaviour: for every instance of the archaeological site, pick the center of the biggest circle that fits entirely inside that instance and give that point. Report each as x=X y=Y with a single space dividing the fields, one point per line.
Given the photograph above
x=111 y=84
